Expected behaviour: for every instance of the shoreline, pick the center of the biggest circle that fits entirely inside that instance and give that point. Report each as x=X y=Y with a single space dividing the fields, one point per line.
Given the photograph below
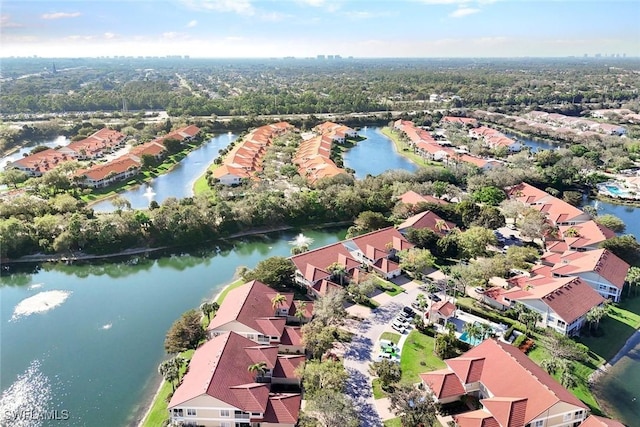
x=149 y=399
x=629 y=344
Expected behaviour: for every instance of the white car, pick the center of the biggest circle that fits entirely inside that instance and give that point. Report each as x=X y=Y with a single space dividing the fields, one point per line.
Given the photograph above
x=380 y=357
x=400 y=327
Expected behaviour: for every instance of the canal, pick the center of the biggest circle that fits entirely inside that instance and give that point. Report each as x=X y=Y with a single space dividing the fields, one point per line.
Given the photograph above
x=375 y=155
x=176 y=183
x=87 y=338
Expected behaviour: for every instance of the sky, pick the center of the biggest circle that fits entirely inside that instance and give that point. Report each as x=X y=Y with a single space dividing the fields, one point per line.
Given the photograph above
x=306 y=28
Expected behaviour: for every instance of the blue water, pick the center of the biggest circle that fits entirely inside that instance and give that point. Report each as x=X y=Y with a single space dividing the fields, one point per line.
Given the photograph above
x=464 y=337
x=615 y=190
x=176 y=183
x=618 y=392
x=534 y=144
x=375 y=155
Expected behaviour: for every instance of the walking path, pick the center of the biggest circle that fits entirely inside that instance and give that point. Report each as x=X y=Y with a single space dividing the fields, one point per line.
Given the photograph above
x=359 y=353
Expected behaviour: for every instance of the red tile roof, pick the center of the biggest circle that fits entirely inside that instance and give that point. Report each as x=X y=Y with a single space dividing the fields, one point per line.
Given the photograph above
x=291 y=336
x=413 y=198
x=380 y=239
x=117 y=166
x=589 y=233
x=218 y=368
x=600 y=261
x=508 y=411
x=286 y=366
x=460 y=120
x=468 y=369
x=152 y=148
x=569 y=297
x=427 y=219
x=479 y=418
x=250 y=304
x=595 y=421
x=445 y=308
x=282 y=409
x=444 y=383
x=319 y=259
x=43 y=161
x=508 y=372
x=324 y=287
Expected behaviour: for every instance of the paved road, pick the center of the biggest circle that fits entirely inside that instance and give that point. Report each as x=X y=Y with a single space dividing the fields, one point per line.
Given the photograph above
x=359 y=352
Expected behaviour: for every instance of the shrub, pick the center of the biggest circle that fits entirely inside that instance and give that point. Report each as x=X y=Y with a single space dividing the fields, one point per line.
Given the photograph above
x=508 y=333
x=520 y=340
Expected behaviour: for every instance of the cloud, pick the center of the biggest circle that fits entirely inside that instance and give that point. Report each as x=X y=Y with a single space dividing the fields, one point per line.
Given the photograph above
x=329 y=6
x=61 y=15
x=463 y=11
x=6 y=22
x=444 y=1
x=241 y=7
x=192 y=24
x=109 y=35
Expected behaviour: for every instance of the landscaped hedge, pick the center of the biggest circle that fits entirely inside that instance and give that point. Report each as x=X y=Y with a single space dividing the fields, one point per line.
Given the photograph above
x=485 y=314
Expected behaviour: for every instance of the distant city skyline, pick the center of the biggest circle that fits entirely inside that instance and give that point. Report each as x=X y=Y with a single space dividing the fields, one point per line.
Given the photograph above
x=308 y=28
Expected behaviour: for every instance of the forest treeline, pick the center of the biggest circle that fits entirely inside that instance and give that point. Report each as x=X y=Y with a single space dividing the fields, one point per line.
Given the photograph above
x=287 y=87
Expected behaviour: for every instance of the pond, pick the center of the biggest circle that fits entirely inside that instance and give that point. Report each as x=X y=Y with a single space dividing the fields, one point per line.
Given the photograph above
x=87 y=338
x=375 y=155
x=178 y=182
x=534 y=144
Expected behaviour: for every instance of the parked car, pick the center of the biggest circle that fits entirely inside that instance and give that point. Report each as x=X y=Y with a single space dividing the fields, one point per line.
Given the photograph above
x=479 y=290
x=380 y=357
x=403 y=319
x=409 y=311
x=434 y=298
x=400 y=327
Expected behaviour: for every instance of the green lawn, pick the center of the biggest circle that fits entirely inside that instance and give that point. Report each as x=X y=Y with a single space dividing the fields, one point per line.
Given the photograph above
x=232 y=286
x=378 y=392
x=389 y=287
x=159 y=409
x=390 y=336
x=393 y=422
x=158 y=413
x=406 y=151
x=417 y=357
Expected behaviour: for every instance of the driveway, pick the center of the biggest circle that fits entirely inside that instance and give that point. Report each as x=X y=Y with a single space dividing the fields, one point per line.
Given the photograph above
x=359 y=352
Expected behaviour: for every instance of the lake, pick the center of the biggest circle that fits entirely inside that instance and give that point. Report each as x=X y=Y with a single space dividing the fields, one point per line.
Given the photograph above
x=176 y=183
x=375 y=155
x=619 y=390
x=59 y=141
x=87 y=338
x=534 y=144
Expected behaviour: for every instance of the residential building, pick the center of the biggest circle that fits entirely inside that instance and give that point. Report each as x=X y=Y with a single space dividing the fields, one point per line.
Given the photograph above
x=336 y=132
x=41 y=162
x=413 y=198
x=248 y=310
x=512 y=390
x=105 y=174
x=558 y=211
x=595 y=421
x=494 y=139
x=426 y=219
x=464 y=121
x=602 y=270
x=585 y=236
x=219 y=389
x=313 y=159
x=98 y=144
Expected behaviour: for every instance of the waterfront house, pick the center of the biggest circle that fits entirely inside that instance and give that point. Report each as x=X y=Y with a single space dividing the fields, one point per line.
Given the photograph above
x=602 y=270
x=185 y=134
x=248 y=310
x=336 y=132
x=464 y=121
x=96 y=145
x=558 y=211
x=39 y=163
x=426 y=219
x=512 y=391
x=595 y=421
x=580 y=237
x=413 y=198
x=105 y=174
x=155 y=149
x=313 y=159
x=220 y=389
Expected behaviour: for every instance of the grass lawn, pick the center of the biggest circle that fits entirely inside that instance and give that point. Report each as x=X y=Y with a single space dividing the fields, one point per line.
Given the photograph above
x=232 y=286
x=390 y=336
x=406 y=151
x=389 y=287
x=159 y=409
x=393 y=422
x=378 y=392
x=417 y=357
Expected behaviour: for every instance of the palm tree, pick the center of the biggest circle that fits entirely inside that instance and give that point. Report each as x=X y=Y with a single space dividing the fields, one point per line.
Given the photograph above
x=169 y=372
x=338 y=271
x=595 y=315
x=441 y=225
x=474 y=332
x=550 y=365
x=633 y=279
x=209 y=307
x=572 y=232
x=486 y=330
x=260 y=368
x=278 y=300
x=301 y=310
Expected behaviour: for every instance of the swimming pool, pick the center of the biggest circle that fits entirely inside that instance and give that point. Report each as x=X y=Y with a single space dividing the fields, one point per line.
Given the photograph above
x=464 y=337
x=615 y=190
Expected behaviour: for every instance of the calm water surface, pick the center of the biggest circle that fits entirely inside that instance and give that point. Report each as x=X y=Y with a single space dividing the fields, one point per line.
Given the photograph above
x=534 y=144
x=94 y=347
x=176 y=183
x=619 y=390
x=375 y=155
